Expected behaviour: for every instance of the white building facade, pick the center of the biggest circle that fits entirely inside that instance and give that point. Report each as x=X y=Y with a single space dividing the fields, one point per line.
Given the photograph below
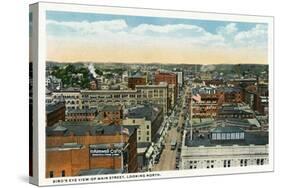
x=224 y=147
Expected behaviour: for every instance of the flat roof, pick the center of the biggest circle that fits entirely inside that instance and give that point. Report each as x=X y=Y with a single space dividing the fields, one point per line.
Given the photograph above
x=111 y=108
x=107 y=146
x=66 y=128
x=225 y=122
x=250 y=138
x=53 y=107
x=91 y=110
x=147 y=111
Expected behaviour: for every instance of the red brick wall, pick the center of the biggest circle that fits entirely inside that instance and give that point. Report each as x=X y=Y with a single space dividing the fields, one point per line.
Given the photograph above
x=72 y=161
x=133 y=81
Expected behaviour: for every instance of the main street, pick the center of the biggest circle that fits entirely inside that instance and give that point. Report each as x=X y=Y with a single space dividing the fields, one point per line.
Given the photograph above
x=168 y=159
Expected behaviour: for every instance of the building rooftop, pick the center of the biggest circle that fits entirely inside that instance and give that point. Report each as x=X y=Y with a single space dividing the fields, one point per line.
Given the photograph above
x=84 y=111
x=229 y=122
x=162 y=85
x=107 y=146
x=137 y=74
x=65 y=146
x=111 y=108
x=83 y=128
x=53 y=107
x=203 y=90
x=146 y=111
x=235 y=109
x=226 y=130
x=249 y=138
x=229 y=89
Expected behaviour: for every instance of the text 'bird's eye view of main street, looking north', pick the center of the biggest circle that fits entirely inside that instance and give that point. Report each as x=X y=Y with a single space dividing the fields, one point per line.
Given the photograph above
x=127 y=94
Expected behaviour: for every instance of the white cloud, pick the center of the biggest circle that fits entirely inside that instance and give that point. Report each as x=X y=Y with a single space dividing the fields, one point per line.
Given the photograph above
x=117 y=32
x=86 y=27
x=191 y=33
x=253 y=37
x=229 y=29
x=146 y=28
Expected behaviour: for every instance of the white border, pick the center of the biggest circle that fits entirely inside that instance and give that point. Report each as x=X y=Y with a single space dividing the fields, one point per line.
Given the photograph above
x=44 y=6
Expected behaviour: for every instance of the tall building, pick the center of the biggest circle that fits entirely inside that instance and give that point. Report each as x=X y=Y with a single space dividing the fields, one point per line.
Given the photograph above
x=72 y=98
x=172 y=80
x=154 y=94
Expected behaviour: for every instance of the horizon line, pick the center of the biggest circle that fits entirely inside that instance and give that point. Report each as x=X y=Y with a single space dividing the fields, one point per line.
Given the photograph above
x=147 y=63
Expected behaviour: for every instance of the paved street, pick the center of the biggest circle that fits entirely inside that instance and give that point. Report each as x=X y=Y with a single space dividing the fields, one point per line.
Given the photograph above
x=168 y=157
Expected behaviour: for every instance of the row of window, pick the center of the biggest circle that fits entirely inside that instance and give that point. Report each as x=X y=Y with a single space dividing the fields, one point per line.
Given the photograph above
x=160 y=94
x=147 y=139
x=80 y=114
x=237 y=115
x=227 y=136
x=80 y=119
x=51 y=173
x=226 y=163
x=66 y=96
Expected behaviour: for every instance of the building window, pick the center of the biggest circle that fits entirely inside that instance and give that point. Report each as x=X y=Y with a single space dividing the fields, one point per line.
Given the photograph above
x=214 y=136
x=139 y=138
x=245 y=162
x=258 y=161
x=147 y=127
x=147 y=132
x=218 y=136
x=224 y=163
x=134 y=121
x=262 y=161
x=63 y=173
x=228 y=136
x=51 y=174
x=147 y=139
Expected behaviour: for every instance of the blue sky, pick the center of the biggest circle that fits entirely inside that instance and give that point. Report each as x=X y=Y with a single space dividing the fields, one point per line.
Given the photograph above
x=133 y=21
x=104 y=37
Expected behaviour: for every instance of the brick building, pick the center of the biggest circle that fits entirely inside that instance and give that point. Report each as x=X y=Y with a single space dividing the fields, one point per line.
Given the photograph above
x=172 y=80
x=205 y=102
x=235 y=110
x=231 y=94
x=81 y=114
x=136 y=79
x=55 y=113
x=85 y=149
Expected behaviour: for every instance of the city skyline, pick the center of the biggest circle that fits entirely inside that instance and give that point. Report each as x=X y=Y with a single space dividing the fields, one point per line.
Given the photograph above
x=73 y=37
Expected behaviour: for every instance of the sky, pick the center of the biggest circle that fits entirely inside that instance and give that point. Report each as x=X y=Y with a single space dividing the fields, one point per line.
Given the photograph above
x=73 y=37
